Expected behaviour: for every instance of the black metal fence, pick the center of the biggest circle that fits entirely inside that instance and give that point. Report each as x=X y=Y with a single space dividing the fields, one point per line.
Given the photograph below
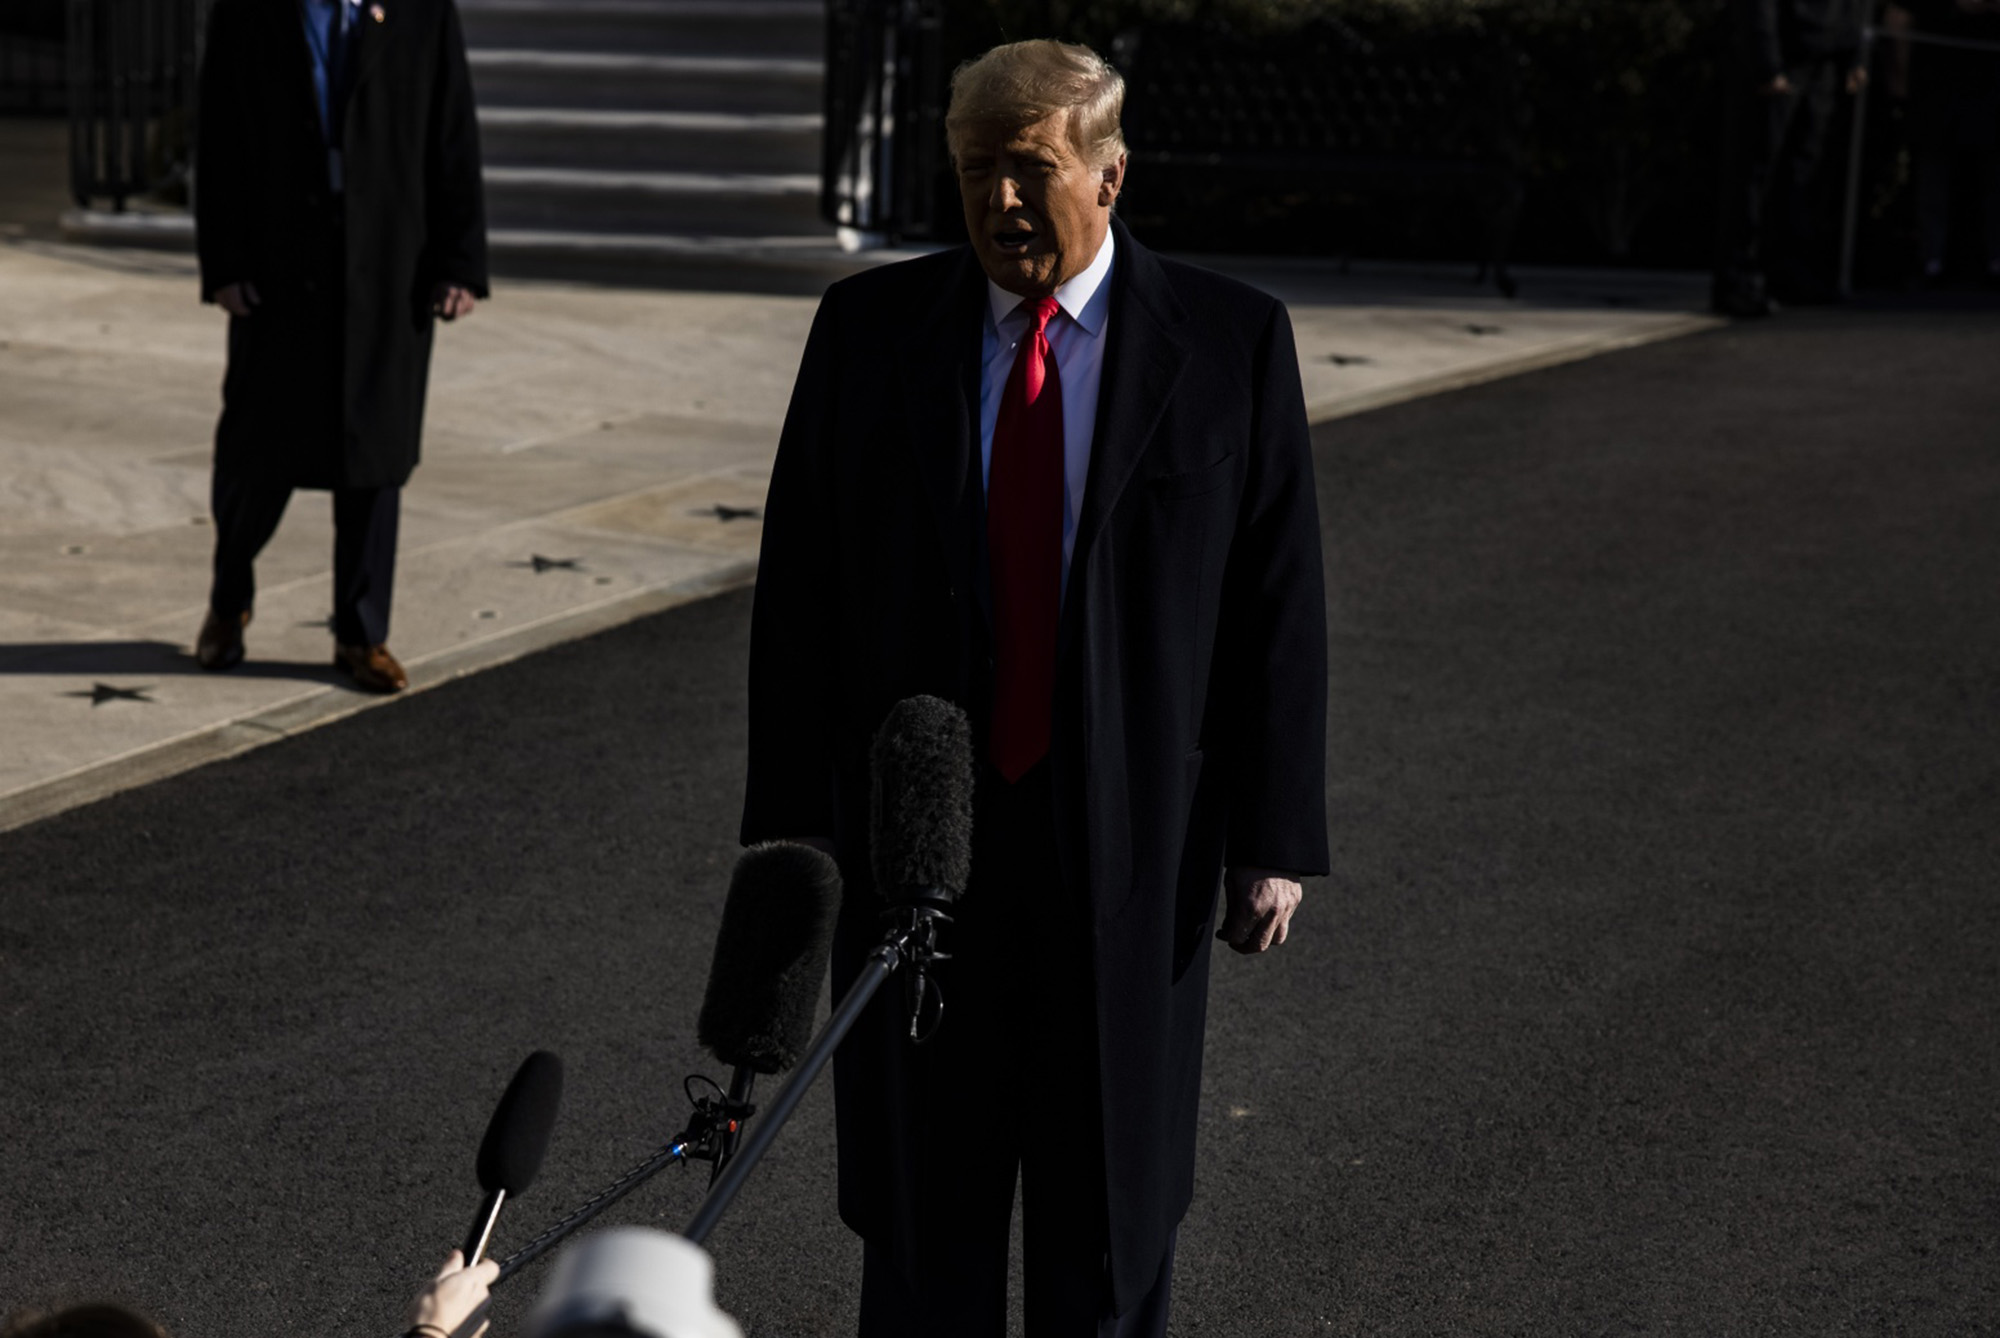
x=884 y=140
x=1307 y=130
x=132 y=70
x=1278 y=138
x=32 y=77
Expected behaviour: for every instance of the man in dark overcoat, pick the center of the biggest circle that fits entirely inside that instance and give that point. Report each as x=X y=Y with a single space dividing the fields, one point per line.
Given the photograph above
x=1067 y=484
x=1790 y=61
x=338 y=213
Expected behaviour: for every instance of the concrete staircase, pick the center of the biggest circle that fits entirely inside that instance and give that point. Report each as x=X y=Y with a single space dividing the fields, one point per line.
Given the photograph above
x=664 y=139
x=669 y=142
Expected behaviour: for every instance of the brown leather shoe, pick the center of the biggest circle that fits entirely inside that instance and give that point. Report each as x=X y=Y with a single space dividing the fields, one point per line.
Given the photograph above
x=220 y=645
x=372 y=668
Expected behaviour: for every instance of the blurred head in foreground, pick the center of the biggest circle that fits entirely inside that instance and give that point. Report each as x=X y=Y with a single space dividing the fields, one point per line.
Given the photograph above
x=82 y=1321
x=631 y=1282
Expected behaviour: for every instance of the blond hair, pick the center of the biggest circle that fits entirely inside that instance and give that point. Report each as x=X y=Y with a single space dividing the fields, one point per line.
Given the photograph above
x=1018 y=84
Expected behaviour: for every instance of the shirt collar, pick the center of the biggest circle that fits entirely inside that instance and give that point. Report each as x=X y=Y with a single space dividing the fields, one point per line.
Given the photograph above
x=1082 y=299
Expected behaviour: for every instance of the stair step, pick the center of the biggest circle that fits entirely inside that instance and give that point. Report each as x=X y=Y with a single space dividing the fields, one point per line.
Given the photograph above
x=739 y=204
x=774 y=84
x=666 y=27
x=764 y=143
x=782 y=264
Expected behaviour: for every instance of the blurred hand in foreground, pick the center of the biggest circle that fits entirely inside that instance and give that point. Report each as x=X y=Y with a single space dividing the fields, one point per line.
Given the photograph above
x=451 y=1297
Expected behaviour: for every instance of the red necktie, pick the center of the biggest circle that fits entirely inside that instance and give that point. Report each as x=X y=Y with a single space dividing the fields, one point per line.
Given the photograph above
x=1024 y=520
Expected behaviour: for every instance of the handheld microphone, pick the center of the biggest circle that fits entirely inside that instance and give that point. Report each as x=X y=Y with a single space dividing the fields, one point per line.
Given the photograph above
x=770 y=956
x=516 y=1137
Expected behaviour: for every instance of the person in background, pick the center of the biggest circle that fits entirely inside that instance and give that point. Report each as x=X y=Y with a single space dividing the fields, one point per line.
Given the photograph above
x=338 y=213
x=1954 y=121
x=1790 y=62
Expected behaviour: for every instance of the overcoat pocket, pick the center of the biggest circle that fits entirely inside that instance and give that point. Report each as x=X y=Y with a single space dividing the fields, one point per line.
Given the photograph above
x=1196 y=482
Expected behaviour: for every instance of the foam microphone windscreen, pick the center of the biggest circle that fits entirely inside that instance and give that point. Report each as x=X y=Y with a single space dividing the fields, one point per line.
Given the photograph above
x=518 y=1134
x=920 y=817
x=770 y=956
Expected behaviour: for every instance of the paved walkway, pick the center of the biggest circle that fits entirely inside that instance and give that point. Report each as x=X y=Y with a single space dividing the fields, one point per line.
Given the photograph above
x=591 y=455
x=1653 y=993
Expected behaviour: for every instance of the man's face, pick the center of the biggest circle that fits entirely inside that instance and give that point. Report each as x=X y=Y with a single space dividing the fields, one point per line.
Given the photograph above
x=1037 y=212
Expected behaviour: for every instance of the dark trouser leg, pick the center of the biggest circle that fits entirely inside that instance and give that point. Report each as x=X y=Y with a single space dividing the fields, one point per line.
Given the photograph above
x=962 y=1292
x=1148 y=1316
x=1755 y=137
x=1012 y=1082
x=364 y=563
x=1933 y=147
x=970 y=1104
x=246 y=513
x=1801 y=253
x=1986 y=156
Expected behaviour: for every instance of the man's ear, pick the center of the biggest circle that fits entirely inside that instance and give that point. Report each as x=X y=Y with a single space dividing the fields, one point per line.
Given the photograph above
x=1111 y=181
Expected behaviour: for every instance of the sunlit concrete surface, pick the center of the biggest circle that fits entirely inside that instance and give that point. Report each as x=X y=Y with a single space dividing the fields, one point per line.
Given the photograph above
x=592 y=454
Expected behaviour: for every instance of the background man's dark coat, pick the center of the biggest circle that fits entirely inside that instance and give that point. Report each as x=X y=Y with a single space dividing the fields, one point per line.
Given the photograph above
x=1191 y=697
x=326 y=379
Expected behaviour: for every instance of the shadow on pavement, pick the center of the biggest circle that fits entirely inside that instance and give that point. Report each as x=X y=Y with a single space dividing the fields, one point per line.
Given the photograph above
x=142 y=657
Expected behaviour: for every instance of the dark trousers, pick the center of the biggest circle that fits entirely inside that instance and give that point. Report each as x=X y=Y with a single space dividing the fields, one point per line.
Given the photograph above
x=1775 y=213
x=365 y=520
x=1009 y=1088
x=1955 y=122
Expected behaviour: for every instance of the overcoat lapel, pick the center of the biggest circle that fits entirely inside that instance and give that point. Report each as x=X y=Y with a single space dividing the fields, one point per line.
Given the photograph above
x=370 y=39
x=1142 y=364
x=942 y=361
x=288 y=33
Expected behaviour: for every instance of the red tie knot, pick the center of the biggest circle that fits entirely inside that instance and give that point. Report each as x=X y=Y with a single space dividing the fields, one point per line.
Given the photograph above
x=1035 y=357
x=1041 y=312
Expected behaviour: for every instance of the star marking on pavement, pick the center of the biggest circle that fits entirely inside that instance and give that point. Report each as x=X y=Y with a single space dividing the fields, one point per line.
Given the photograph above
x=101 y=693
x=541 y=564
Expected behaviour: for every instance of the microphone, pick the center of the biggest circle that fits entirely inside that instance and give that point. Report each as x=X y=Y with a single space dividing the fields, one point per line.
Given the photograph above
x=770 y=956
x=920 y=809
x=771 y=952
x=516 y=1138
x=920 y=832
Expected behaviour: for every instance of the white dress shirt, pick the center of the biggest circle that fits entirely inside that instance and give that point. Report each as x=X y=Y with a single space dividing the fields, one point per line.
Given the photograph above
x=1076 y=339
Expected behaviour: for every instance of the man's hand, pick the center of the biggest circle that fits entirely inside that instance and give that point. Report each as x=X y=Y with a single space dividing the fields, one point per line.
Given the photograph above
x=1778 y=87
x=238 y=299
x=1259 y=910
x=1857 y=79
x=449 y=302
x=452 y=1296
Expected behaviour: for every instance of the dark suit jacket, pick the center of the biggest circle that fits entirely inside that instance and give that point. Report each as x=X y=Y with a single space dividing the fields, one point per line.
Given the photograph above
x=1774 y=36
x=1191 y=685
x=326 y=380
